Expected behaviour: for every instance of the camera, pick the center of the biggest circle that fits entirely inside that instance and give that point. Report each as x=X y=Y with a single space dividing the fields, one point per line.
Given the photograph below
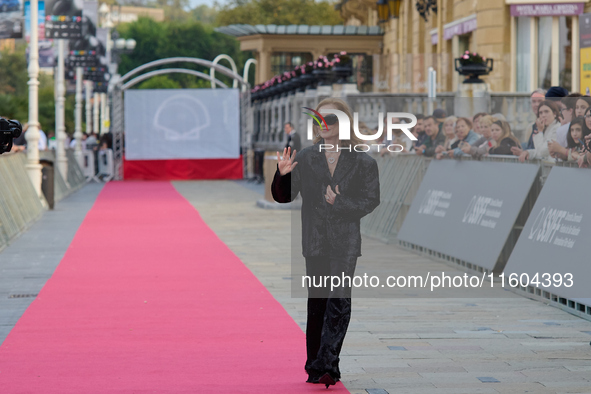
x=9 y=129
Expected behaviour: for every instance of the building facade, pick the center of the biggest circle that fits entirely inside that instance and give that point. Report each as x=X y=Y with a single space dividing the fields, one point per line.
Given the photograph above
x=533 y=44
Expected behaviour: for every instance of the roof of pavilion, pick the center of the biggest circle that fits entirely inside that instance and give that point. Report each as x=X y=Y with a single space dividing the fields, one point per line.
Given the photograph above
x=326 y=30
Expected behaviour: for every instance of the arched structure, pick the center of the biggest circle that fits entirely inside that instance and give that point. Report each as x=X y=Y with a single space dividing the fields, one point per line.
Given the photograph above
x=139 y=74
x=232 y=64
x=247 y=68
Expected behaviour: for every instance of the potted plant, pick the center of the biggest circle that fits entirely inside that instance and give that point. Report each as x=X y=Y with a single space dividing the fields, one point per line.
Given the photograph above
x=473 y=65
x=322 y=71
x=307 y=78
x=342 y=67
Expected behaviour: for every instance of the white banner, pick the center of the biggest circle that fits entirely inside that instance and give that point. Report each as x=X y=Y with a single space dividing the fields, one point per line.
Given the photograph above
x=182 y=124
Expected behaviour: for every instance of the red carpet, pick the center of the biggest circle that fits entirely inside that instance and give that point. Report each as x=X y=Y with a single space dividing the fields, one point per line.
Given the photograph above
x=147 y=299
x=181 y=169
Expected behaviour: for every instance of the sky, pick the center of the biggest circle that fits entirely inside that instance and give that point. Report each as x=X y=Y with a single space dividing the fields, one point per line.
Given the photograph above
x=195 y=3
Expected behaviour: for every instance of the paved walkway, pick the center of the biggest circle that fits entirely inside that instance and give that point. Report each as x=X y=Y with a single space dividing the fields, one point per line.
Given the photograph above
x=503 y=343
x=500 y=343
x=31 y=259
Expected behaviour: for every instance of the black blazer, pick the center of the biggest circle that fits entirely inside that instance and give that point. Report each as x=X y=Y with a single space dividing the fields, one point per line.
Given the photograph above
x=331 y=230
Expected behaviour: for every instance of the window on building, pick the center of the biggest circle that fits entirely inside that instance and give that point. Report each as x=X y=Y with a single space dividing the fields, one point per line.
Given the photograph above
x=463 y=44
x=287 y=61
x=523 y=54
x=565 y=51
x=544 y=52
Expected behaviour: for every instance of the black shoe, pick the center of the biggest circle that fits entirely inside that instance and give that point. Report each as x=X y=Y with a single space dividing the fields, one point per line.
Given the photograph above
x=313 y=377
x=328 y=380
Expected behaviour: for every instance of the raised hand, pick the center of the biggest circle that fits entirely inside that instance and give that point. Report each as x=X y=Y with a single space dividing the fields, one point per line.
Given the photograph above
x=286 y=162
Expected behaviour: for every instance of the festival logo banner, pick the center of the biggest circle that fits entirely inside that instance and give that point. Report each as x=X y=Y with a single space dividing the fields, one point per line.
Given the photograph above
x=47 y=54
x=11 y=19
x=84 y=49
x=63 y=18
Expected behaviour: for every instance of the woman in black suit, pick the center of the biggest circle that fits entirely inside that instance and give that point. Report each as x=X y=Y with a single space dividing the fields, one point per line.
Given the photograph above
x=338 y=186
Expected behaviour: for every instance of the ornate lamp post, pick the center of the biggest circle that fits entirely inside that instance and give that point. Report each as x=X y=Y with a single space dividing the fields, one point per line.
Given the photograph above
x=32 y=134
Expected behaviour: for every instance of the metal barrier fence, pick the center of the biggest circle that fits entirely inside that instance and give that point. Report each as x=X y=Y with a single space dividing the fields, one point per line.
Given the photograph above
x=76 y=179
x=19 y=204
x=400 y=178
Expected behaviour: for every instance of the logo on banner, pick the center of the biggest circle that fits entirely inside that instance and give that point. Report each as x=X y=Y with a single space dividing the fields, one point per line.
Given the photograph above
x=436 y=203
x=556 y=226
x=192 y=117
x=483 y=211
x=334 y=115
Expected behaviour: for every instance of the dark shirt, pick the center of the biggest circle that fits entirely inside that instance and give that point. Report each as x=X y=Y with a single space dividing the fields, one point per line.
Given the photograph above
x=530 y=143
x=293 y=140
x=504 y=147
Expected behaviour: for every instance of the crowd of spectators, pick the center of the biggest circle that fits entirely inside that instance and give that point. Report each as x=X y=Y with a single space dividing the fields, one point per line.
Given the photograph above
x=561 y=132
x=91 y=141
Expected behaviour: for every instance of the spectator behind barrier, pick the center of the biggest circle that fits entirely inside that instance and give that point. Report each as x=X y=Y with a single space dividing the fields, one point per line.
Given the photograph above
x=481 y=146
x=547 y=124
x=449 y=130
x=536 y=97
x=476 y=121
x=585 y=160
x=576 y=132
x=502 y=138
x=419 y=130
x=566 y=107
x=435 y=137
x=465 y=136
x=581 y=105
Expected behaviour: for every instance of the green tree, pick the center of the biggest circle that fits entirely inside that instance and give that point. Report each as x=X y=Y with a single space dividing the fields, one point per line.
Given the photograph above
x=279 y=12
x=160 y=82
x=14 y=92
x=160 y=40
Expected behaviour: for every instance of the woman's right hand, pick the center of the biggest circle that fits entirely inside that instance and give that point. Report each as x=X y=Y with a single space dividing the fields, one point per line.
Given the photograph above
x=286 y=162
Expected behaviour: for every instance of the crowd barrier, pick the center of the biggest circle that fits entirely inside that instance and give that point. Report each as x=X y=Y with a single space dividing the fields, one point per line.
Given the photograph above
x=20 y=206
x=493 y=215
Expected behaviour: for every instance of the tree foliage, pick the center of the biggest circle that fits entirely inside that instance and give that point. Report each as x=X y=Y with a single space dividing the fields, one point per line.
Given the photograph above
x=279 y=12
x=160 y=40
x=14 y=92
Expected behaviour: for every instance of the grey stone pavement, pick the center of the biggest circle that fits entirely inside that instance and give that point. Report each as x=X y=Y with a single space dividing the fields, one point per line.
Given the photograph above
x=30 y=260
x=498 y=343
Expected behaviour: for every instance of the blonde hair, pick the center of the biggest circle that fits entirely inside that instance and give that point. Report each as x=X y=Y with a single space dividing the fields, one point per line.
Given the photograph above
x=341 y=106
x=487 y=120
x=449 y=119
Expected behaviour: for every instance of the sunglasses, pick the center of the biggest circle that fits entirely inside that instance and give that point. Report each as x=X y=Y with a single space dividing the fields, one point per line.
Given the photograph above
x=331 y=119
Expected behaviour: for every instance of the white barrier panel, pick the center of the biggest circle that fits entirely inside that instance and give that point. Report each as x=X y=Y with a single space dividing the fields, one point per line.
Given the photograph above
x=182 y=124
x=88 y=163
x=467 y=209
x=105 y=164
x=553 y=251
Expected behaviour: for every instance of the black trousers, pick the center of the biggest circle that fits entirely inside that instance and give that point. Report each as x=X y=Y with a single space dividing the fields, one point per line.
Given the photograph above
x=329 y=312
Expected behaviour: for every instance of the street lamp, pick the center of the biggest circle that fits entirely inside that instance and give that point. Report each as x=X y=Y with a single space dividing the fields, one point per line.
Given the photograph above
x=382 y=10
x=394 y=8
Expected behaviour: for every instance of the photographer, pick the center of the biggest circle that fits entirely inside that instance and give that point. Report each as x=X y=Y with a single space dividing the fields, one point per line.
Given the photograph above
x=9 y=130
